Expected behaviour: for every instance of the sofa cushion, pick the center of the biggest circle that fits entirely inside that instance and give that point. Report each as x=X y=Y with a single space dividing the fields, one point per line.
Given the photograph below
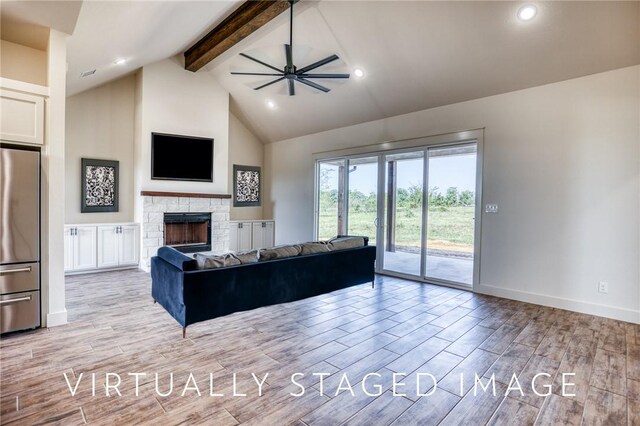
x=343 y=243
x=208 y=261
x=279 y=252
x=250 y=256
x=314 y=247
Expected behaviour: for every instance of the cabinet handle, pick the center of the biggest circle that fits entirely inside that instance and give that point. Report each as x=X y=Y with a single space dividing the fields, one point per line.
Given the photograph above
x=17 y=299
x=13 y=271
x=264 y=224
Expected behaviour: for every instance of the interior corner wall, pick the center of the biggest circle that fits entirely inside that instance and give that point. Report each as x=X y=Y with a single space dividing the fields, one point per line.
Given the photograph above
x=100 y=125
x=23 y=63
x=247 y=150
x=562 y=161
x=53 y=186
x=169 y=99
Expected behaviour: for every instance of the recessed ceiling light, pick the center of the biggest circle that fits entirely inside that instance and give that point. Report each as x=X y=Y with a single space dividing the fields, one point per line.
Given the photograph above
x=527 y=12
x=120 y=61
x=271 y=104
x=358 y=72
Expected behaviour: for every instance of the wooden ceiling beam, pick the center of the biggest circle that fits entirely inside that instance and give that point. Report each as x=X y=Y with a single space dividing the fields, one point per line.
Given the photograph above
x=246 y=19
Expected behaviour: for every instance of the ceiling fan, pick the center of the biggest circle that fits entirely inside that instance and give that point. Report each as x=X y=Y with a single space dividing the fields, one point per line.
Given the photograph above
x=291 y=73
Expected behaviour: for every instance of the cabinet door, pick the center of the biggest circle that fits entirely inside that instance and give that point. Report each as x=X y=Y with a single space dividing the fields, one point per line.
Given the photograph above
x=108 y=246
x=244 y=236
x=268 y=234
x=84 y=248
x=257 y=236
x=128 y=245
x=233 y=236
x=262 y=234
x=68 y=248
x=22 y=118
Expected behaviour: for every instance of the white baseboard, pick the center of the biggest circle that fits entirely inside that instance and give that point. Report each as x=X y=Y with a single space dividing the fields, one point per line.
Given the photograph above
x=56 y=318
x=621 y=314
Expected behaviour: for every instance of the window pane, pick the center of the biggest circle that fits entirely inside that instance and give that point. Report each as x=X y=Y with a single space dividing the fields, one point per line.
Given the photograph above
x=363 y=199
x=328 y=192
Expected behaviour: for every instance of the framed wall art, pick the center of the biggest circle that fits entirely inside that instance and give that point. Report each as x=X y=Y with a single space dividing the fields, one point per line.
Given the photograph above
x=246 y=186
x=99 y=192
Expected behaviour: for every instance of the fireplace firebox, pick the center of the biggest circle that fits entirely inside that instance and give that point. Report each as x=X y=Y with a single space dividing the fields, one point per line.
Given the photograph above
x=188 y=232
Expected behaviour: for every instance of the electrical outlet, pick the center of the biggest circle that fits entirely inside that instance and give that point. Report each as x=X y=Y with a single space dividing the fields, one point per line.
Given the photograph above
x=491 y=208
x=603 y=287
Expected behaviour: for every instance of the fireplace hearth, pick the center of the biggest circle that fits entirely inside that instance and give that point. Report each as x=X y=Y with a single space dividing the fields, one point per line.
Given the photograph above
x=188 y=232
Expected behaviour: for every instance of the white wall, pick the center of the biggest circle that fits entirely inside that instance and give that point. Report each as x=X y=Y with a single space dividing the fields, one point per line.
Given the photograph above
x=23 y=63
x=247 y=150
x=561 y=160
x=100 y=125
x=173 y=100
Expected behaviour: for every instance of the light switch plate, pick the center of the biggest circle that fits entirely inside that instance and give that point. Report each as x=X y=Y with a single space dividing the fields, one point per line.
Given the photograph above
x=491 y=208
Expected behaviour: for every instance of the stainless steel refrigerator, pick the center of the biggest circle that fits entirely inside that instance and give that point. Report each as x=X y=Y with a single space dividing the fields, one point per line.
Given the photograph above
x=19 y=238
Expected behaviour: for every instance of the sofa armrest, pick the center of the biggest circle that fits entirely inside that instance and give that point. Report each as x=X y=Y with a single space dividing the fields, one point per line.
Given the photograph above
x=177 y=259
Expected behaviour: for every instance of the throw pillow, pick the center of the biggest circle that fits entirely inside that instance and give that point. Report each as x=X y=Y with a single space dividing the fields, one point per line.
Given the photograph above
x=250 y=256
x=279 y=252
x=212 y=261
x=314 y=247
x=343 y=243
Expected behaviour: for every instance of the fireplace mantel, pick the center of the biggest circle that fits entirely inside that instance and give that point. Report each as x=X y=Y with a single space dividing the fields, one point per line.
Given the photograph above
x=182 y=194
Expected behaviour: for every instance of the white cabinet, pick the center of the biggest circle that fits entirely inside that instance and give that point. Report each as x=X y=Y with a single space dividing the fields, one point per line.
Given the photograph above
x=251 y=234
x=128 y=240
x=262 y=234
x=239 y=236
x=22 y=117
x=108 y=246
x=112 y=246
x=117 y=245
x=79 y=248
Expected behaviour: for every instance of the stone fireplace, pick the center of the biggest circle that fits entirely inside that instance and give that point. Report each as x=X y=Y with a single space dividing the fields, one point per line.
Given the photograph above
x=189 y=222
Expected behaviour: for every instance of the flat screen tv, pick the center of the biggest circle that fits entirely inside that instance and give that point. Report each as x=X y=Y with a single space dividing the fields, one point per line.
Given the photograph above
x=175 y=157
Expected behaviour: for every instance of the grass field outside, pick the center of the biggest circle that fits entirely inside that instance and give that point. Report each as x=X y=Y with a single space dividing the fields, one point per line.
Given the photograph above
x=449 y=228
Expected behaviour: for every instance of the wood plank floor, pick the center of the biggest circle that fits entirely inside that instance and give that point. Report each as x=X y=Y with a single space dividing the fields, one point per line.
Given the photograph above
x=355 y=340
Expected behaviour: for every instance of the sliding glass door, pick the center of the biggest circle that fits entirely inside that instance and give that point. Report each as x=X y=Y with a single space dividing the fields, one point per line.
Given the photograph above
x=418 y=206
x=330 y=212
x=347 y=192
x=403 y=212
x=451 y=213
x=362 y=193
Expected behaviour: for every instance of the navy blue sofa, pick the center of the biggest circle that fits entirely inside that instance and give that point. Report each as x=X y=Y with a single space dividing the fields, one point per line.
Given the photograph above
x=191 y=295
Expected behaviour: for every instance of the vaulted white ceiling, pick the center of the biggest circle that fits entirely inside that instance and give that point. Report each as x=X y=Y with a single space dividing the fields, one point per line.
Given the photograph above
x=416 y=54
x=419 y=55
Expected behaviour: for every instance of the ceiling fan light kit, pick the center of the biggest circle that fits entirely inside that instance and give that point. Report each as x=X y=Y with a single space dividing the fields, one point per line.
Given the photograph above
x=290 y=73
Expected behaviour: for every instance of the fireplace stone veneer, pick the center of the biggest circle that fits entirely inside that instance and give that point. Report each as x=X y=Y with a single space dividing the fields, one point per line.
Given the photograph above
x=153 y=210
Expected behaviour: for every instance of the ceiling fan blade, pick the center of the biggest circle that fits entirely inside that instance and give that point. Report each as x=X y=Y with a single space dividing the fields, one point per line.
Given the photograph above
x=318 y=64
x=323 y=75
x=255 y=73
x=260 y=62
x=269 y=83
x=314 y=85
x=289 y=55
x=292 y=89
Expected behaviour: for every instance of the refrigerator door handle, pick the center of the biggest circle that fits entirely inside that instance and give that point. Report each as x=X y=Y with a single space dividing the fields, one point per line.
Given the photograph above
x=13 y=271
x=17 y=299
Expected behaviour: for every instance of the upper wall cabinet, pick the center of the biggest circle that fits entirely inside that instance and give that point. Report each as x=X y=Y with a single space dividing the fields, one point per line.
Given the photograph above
x=21 y=117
